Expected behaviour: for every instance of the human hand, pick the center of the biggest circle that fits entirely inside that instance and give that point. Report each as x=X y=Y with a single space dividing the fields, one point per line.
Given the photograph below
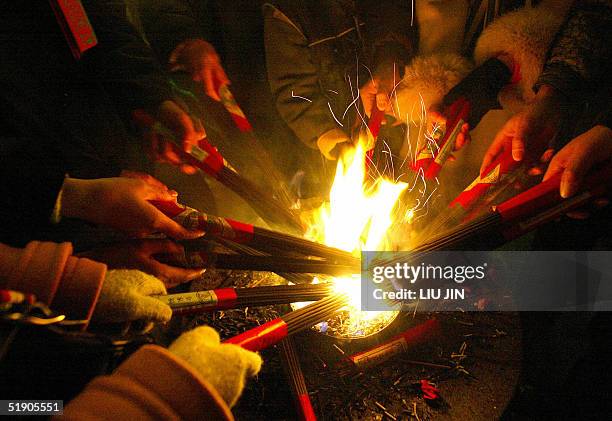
x=437 y=119
x=577 y=158
x=225 y=366
x=528 y=132
x=199 y=58
x=140 y=254
x=331 y=142
x=125 y=297
x=183 y=130
x=378 y=90
x=123 y=204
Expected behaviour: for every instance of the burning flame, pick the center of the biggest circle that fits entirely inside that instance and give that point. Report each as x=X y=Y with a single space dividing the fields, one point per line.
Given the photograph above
x=358 y=216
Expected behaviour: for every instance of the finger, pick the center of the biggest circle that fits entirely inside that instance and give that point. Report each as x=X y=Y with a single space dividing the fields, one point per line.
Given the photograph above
x=460 y=142
x=209 y=84
x=177 y=68
x=170 y=155
x=382 y=101
x=220 y=75
x=154 y=192
x=601 y=202
x=497 y=147
x=578 y=215
x=518 y=149
x=535 y=171
x=147 y=178
x=570 y=181
x=547 y=155
x=557 y=165
x=172 y=229
x=199 y=128
x=168 y=247
x=575 y=171
x=188 y=169
x=172 y=275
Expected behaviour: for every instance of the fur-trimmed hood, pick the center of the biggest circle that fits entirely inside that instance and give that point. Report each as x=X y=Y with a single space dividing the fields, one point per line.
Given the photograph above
x=524 y=36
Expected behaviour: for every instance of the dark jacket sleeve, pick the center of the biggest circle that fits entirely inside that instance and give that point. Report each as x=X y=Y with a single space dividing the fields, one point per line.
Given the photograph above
x=579 y=61
x=389 y=30
x=123 y=61
x=293 y=79
x=31 y=181
x=166 y=23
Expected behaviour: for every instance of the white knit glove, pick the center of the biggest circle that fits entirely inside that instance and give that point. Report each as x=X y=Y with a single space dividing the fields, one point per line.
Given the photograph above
x=125 y=297
x=225 y=366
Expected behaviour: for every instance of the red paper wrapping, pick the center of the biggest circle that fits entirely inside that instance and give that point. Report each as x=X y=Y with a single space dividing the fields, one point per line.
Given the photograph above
x=396 y=345
x=230 y=104
x=75 y=25
x=493 y=174
x=204 y=156
x=432 y=160
x=307 y=412
x=193 y=219
x=262 y=336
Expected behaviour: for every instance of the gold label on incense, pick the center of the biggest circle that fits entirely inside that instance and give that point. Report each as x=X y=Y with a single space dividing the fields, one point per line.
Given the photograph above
x=380 y=352
x=189 y=219
x=491 y=178
x=200 y=298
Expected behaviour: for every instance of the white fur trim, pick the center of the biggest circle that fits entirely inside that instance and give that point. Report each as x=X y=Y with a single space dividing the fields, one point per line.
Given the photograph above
x=525 y=36
x=441 y=25
x=426 y=81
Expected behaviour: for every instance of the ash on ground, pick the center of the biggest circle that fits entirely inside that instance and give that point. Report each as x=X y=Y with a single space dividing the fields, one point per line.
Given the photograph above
x=474 y=363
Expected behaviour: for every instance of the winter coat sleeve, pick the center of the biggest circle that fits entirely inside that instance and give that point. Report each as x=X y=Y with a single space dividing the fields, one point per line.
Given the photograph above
x=68 y=284
x=167 y=23
x=579 y=61
x=152 y=384
x=293 y=79
x=123 y=61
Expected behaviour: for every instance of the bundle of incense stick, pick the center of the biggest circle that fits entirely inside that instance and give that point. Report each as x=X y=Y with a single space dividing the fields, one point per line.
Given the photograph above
x=261 y=155
x=208 y=259
x=467 y=102
x=253 y=236
x=208 y=159
x=499 y=176
x=398 y=344
x=228 y=298
x=293 y=370
x=257 y=154
x=521 y=214
x=295 y=278
x=272 y=332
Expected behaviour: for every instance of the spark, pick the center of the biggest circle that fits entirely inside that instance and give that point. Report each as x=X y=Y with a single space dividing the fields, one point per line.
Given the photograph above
x=300 y=97
x=333 y=115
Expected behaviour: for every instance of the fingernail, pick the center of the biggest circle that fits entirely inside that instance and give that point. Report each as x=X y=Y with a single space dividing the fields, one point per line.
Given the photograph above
x=517 y=154
x=564 y=188
x=172 y=192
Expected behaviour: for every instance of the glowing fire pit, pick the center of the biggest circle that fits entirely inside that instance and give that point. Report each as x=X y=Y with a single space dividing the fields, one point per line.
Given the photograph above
x=358 y=216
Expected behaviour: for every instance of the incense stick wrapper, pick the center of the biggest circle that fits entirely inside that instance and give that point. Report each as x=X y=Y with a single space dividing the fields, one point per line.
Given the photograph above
x=274 y=331
x=228 y=298
x=203 y=156
x=256 y=237
x=397 y=345
x=217 y=299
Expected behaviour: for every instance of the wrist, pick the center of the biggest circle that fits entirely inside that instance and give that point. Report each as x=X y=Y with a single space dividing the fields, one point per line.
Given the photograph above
x=76 y=197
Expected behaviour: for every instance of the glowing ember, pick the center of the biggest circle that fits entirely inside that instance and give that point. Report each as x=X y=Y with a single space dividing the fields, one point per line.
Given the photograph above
x=357 y=217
